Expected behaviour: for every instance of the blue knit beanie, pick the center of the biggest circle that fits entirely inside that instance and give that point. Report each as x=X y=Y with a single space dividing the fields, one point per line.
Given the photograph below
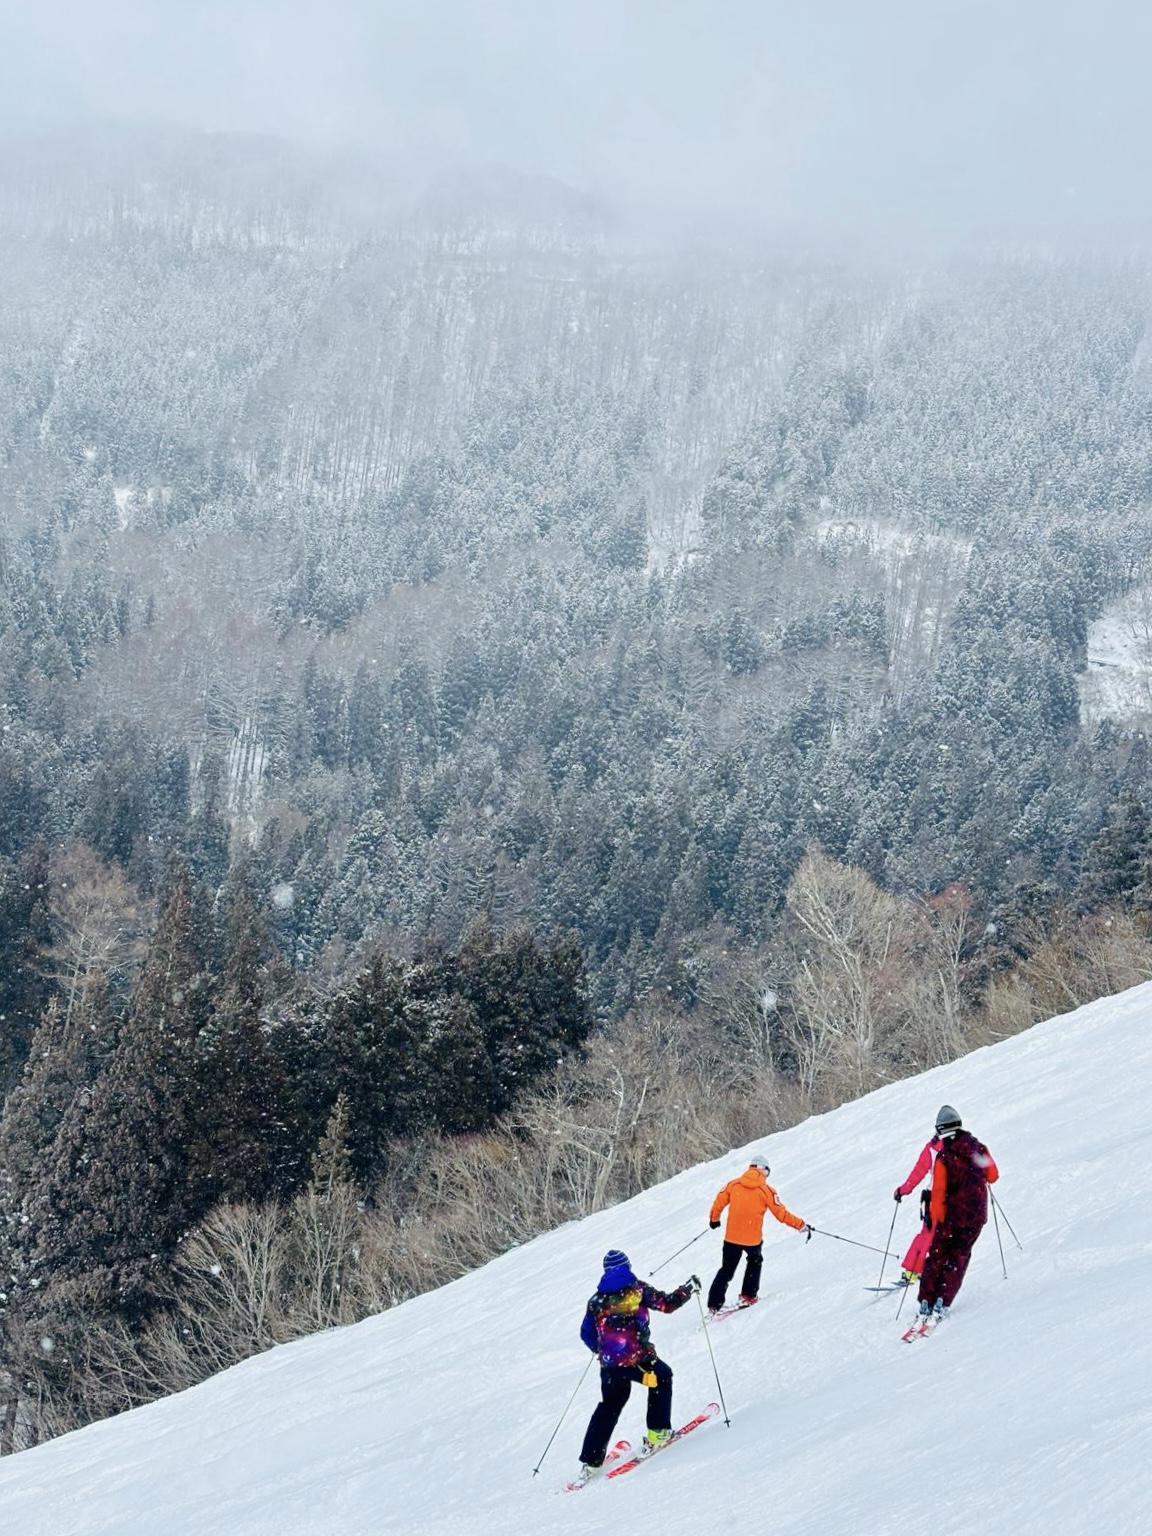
x=614 y=1259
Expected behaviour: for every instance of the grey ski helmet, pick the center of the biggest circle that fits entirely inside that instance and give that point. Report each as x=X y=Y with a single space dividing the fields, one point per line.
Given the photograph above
x=947 y=1120
x=758 y=1160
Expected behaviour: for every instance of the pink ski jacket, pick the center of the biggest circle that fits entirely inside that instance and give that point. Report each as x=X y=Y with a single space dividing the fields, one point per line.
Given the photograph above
x=922 y=1168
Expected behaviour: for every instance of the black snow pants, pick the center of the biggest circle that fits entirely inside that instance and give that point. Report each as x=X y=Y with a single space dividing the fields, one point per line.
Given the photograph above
x=729 y=1259
x=615 y=1387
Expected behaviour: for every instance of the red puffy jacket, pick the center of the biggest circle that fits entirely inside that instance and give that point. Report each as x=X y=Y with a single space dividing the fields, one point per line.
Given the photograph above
x=964 y=1169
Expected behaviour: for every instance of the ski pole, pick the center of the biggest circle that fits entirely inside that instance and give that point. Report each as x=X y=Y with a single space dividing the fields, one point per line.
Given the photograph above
x=904 y=1289
x=871 y=1247
x=997 y=1206
x=715 y=1372
x=678 y=1252
x=563 y=1416
x=888 y=1245
x=1000 y=1244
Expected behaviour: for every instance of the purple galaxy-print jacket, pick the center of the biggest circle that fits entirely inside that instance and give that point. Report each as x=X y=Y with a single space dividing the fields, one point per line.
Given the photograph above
x=615 y=1325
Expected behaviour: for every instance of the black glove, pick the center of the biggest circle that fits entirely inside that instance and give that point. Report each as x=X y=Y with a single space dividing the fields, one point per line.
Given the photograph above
x=808 y=1231
x=693 y=1284
x=713 y=1225
x=898 y=1197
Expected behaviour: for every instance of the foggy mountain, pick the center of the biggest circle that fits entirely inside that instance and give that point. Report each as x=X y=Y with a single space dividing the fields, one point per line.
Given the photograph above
x=537 y=678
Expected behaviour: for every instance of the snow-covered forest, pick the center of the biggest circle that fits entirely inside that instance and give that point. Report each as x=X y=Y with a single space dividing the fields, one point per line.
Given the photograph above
x=458 y=652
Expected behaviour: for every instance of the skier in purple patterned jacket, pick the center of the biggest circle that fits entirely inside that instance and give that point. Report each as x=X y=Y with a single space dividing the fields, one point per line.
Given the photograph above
x=615 y=1327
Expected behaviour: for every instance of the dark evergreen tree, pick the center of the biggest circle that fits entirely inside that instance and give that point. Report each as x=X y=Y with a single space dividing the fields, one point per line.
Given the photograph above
x=25 y=934
x=115 y=1195
x=459 y=1084
x=331 y=1165
x=244 y=1143
x=368 y=1047
x=1117 y=864
x=207 y=838
x=68 y=1050
x=531 y=1002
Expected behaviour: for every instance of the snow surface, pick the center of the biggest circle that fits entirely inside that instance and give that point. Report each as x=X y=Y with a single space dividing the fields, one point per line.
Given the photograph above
x=1118 y=679
x=1030 y=1410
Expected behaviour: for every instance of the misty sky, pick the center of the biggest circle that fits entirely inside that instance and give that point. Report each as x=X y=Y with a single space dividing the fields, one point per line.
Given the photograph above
x=956 y=119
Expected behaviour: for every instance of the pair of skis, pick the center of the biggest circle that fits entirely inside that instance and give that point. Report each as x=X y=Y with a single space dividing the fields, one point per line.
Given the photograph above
x=723 y=1312
x=922 y=1327
x=619 y=1460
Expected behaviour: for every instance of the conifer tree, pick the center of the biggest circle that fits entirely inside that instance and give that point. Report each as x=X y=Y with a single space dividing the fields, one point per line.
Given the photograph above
x=1118 y=862
x=370 y=1050
x=531 y=1003
x=332 y=1160
x=115 y=1195
x=67 y=1052
x=458 y=1084
x=25 y=933
x=242 y=1142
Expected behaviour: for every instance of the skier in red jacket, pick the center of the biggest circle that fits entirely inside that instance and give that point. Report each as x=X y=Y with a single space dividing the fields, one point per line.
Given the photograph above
x=913 y=1261
x=963 y=1170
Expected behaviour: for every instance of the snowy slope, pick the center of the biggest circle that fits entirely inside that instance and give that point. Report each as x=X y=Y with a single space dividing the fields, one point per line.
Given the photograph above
x=1118 y=679
x=1030 y=1410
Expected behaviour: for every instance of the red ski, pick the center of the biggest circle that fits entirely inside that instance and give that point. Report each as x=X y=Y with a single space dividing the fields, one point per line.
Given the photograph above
x=685 y=1429
x=920 y=1329
x=741 y=1306
x=621 y=1448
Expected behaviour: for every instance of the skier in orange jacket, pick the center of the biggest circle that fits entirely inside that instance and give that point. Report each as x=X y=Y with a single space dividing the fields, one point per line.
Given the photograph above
x=747 y=1199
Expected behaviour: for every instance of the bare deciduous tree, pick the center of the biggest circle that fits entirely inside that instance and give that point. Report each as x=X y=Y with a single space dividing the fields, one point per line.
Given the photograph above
x=853 y=975
x=101 y=924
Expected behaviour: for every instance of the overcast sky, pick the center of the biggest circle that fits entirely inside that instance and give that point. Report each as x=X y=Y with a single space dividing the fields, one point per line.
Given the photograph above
x=956 y=118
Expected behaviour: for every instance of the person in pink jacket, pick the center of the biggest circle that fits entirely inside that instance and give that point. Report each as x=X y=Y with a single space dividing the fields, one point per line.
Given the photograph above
x=913 y=1261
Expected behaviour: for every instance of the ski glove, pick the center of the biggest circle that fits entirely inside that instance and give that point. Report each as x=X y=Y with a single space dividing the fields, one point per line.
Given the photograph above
x=693 y=1284
x=808 y=1231
x=898 y=1196
x=713 y=1225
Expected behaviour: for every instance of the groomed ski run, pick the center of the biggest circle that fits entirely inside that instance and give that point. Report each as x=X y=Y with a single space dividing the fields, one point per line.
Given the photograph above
x=1027 y=1416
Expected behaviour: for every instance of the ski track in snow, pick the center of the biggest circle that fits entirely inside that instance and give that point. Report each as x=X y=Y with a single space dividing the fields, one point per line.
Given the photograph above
x=1028 y=1411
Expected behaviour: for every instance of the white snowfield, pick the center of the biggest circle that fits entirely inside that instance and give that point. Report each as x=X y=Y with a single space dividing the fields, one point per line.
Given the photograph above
x=1028 y=1411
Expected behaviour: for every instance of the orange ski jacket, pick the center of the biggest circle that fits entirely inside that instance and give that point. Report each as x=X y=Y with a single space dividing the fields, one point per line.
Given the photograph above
x=747 y=1199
